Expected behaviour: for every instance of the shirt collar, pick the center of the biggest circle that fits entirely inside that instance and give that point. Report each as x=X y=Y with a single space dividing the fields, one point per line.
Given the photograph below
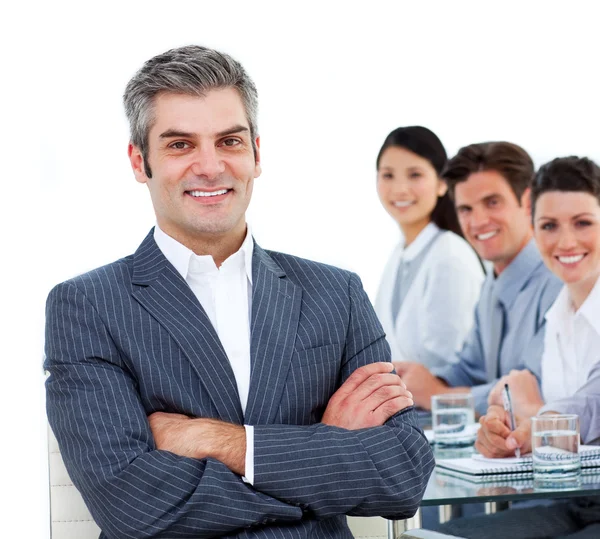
x=512 y=280
x=180 y=256
x=421 y=241
x=558 y=312
x=591 y=307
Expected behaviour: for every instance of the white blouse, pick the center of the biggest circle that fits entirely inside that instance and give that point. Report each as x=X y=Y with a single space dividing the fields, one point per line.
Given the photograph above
x=571 y=344
x=437 y=310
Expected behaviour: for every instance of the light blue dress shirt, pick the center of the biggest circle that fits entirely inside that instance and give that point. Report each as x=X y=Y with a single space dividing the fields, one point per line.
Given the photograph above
x=526 y=289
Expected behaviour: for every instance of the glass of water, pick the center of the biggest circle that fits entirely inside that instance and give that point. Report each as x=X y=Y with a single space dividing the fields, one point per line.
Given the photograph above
x=453 y=418
x=555 y=451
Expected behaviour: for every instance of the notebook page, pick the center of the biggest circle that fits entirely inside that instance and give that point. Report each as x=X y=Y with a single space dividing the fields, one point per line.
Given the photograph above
x=473 y=466
x=585 y=451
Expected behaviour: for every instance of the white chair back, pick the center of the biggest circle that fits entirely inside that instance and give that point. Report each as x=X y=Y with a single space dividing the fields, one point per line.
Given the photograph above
x=70 y=518
x=368 y=527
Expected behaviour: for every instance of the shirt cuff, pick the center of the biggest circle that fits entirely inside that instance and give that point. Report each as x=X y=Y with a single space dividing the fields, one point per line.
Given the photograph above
x=249 y=477
x=554 y=407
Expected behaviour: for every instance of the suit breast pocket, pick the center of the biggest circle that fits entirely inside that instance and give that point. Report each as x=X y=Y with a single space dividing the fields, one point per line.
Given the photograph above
x=312 y=379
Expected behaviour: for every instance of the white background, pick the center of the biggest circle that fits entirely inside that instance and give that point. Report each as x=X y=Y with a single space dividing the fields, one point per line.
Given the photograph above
x=333 y=77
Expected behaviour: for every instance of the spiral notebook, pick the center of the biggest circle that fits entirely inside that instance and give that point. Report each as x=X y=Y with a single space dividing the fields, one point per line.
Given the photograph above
x=488 y=469
x=478 y=466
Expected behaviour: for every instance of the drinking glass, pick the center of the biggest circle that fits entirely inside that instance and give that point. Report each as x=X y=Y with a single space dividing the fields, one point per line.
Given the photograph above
x=555 y=451
x=453 y=418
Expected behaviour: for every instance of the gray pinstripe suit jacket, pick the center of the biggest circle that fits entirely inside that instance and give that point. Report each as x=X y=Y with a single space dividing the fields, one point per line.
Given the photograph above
x=130 y=338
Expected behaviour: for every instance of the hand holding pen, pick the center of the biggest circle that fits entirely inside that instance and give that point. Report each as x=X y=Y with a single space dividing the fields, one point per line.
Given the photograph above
x=507 y=402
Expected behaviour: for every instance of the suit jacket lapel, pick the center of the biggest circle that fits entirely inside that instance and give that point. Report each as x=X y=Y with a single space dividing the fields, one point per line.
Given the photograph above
x=161 y=290
x=275 y=314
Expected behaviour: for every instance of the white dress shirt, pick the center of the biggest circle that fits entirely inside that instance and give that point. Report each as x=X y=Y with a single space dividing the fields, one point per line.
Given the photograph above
x=571 y=344
x=225 y=294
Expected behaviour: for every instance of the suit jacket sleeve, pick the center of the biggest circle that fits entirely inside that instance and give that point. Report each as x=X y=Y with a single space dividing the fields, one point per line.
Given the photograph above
x=586 y=404
x=331 y=471
x=132 y=489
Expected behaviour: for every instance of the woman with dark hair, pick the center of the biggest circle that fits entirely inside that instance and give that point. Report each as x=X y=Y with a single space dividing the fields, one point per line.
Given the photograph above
x=432 y=281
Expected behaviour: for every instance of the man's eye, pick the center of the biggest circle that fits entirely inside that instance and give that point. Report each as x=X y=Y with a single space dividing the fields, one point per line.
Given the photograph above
x=463 y=211
x=231 y=142
x=179 y=145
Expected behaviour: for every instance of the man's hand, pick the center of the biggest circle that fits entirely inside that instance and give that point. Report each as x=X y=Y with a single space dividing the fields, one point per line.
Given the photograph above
x=524 y=393
x=496 y=440
x=368 y=398
x=419 y=380
x=200 y=438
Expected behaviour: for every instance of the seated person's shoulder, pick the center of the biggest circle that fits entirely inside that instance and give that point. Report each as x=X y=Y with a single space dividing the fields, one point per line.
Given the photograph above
x=549 y=285
x=450 y=250
x=540 y=292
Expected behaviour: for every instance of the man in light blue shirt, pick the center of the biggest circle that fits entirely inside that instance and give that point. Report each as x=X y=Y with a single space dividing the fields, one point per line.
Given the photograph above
x=489 y=184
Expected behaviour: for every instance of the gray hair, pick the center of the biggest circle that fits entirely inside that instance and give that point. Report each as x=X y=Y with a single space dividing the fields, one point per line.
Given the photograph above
x=191 y=70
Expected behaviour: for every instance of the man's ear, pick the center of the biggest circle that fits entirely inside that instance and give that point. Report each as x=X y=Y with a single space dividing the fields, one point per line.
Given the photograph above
x=137 y=163
x=257 y=166
x=526 y=200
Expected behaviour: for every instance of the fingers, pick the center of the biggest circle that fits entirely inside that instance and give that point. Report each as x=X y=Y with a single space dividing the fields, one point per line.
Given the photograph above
x=495 y=396
x=375 y=382
x=361 y=374
x=520 y=437
x=390 y=407
x=402 y=366
x=491 y=438
x=368 y=399
x=368 y=381
x=496 y=412
x=492 y=447
x=383 y=394
x=496 y=427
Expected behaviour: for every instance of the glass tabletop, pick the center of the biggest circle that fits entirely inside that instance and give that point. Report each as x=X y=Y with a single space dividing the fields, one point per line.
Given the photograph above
x=444 y=489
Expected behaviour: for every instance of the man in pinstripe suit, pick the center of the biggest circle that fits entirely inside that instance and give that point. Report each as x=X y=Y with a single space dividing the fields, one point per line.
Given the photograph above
x=204 y=387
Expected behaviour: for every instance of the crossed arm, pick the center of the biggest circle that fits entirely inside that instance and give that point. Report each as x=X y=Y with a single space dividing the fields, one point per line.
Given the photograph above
x=368 y=398
x=134 y=488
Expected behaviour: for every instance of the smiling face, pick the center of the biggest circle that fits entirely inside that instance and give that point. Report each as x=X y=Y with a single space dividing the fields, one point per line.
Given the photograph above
x=203 y=167
x=491 y=217
x=567 y=232
x=408 y=187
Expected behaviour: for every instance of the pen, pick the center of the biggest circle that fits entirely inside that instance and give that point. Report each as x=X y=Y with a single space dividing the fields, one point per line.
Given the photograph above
x=508 y=407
